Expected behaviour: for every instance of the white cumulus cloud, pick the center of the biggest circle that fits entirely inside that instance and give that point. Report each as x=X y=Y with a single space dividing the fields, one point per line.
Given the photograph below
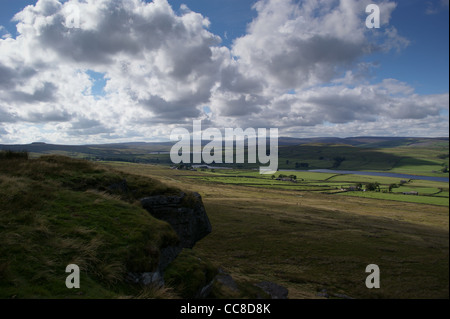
x=299 y=67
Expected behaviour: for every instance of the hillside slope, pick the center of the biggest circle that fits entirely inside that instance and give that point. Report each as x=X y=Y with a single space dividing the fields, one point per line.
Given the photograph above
x=57 y=211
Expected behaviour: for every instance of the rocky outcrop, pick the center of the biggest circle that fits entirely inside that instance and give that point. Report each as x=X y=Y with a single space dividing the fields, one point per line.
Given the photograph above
x=187 y=216
x=185 y=213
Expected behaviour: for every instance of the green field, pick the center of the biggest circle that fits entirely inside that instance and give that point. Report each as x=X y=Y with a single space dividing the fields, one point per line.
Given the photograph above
x=435 y=193
x=432 y=200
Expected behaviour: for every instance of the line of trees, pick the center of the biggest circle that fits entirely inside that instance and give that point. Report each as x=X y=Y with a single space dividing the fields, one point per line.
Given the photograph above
x=293 y=177
x=372 y=187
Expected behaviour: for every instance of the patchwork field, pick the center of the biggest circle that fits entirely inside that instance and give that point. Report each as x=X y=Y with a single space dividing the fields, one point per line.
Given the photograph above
x=429 y=192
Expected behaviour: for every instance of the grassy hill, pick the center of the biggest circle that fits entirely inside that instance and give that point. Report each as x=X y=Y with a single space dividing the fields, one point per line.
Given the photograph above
x=417 y=160
x=57 y=211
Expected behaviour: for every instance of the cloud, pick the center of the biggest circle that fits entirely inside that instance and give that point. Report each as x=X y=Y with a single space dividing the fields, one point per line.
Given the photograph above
x=302 y=48
x=11 y=77
x=326 y=111
x=393 y=41
x=232 y=105
x=86 y=126
x=295 y=45
x=46 y=93
x=153 y=60
x=7 y=116
x=171 y=111
x=434 y=8
x=49 y=116
x=4 y=33
x=301 y=66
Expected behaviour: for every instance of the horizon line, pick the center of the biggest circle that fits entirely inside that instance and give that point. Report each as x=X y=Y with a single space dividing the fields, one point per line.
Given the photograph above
x=281 y=137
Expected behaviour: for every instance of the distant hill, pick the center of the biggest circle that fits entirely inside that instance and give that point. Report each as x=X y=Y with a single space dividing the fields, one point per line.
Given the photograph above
x=127 y=152
x=44 y=147
x=365 y=141
x=354 y=153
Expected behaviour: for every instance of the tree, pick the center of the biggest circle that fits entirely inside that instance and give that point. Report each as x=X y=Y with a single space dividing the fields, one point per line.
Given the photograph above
x=371 y=187
x=338 y=161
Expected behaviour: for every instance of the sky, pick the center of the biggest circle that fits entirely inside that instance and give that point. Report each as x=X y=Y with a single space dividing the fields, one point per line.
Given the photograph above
x=112 y=71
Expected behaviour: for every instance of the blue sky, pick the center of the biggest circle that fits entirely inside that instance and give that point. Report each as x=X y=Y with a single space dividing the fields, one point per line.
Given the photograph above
x=425 y=62
x=277 y=64
x=228 y=18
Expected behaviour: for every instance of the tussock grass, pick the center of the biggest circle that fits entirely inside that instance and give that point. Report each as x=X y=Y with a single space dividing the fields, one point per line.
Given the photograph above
x=308 y=241
x=154 y=292
x=188 y=274
x=57 y=211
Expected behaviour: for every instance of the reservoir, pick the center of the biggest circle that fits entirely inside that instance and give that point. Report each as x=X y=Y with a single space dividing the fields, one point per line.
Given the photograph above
x=395 y=175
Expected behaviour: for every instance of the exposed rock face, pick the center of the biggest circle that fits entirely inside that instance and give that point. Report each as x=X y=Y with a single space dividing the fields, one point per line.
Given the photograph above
x=187 y=216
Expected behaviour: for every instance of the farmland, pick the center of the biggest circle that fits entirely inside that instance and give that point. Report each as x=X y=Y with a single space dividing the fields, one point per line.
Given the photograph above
x=429 y=192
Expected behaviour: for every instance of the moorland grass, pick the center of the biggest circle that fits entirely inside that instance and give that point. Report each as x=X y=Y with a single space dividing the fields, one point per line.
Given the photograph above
x=308 y=241
x=56 y=211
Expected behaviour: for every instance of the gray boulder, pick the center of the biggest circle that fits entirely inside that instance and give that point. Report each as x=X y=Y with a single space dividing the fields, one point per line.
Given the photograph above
x=187 y=216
